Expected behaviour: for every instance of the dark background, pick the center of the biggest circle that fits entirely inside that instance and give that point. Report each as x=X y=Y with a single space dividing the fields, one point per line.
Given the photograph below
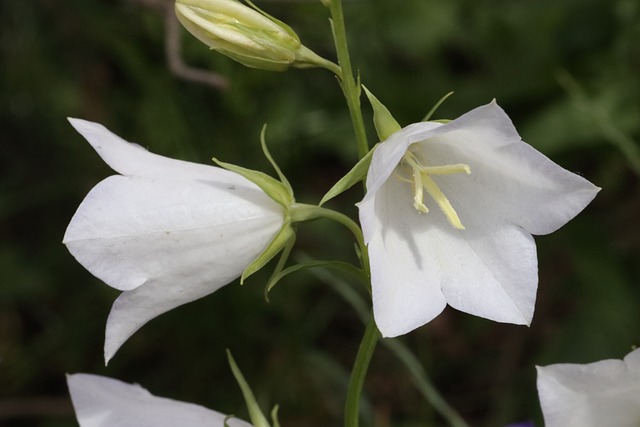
x=566 y=71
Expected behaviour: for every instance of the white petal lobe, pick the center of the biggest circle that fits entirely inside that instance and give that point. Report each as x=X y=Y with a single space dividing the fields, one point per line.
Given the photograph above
x=592 y=395
x=105 y=402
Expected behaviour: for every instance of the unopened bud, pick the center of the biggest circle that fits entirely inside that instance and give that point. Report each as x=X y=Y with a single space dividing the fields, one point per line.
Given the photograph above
x=245 y=34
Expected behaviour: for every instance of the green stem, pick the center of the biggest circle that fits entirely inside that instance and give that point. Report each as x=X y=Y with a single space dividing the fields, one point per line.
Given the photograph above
x=350 y=89
x=358 y=374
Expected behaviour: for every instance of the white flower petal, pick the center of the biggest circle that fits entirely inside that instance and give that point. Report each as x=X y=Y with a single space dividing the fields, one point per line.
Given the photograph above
x=605 y=393
x=105 y=402
x=405 y=286
x=418 y=260
x=131 y=159
x=173 y=242
x=492 y=272
x=509 y=179
x=129 y=230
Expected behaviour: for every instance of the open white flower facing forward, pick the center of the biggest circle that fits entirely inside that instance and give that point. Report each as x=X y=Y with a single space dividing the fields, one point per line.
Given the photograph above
x=105 y=402
x=448 y=217
x=165 y=231
x=605 y=393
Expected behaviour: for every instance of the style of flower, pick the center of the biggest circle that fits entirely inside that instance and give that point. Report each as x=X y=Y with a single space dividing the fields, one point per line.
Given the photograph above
x=604 y=393
x=468 y=244
x=105 y=402
x=164 y=231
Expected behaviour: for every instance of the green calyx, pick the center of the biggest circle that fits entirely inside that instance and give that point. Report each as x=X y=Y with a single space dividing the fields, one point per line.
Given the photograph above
x=281 y=192
x=383 y=121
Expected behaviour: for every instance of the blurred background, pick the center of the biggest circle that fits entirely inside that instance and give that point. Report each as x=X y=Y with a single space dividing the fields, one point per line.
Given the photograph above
x=566 y=71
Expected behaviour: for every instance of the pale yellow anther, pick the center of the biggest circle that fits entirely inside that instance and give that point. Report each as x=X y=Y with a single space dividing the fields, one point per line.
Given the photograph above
x=422 y=180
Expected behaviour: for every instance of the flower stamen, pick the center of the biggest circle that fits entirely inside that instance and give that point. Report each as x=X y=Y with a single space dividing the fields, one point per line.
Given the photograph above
x=422 y=180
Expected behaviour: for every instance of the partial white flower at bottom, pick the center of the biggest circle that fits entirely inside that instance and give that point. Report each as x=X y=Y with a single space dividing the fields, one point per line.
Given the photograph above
x=448 y=218
x=165 y=231
x=105 y=402
x=605 y=393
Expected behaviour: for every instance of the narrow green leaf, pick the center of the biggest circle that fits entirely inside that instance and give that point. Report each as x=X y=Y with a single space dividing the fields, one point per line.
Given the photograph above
x=435 y=107
x=355 y=175
x=383 y=121
x=257 y=417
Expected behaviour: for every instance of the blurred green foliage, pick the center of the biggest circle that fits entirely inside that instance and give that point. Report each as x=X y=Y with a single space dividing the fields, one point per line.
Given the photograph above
x=566 y=71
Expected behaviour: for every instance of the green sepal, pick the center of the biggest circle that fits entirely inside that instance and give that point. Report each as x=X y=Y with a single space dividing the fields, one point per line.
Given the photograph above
x=355 y=175
x=435 y=107
x=279 y=242
x=257 y=417
x=267 y=154
x=344 y=267
x=280 y=191
x=284 y=26
x=274 y=416
x=284 y=256
x=383 y=121
x=275 y=189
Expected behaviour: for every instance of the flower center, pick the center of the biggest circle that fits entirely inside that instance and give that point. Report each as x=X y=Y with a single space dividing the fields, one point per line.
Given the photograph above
x=421 y=180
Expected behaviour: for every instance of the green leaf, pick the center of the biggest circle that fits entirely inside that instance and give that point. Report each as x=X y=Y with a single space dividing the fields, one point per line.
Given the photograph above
x=384 y=122
x=435 y=107
x=257 y=417
x=355 y=175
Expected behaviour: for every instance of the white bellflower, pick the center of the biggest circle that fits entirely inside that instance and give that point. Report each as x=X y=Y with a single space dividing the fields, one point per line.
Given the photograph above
x=164 y=231
x=448 y=218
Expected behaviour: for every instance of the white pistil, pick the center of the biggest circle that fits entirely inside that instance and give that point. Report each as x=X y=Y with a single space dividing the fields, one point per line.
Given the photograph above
x=422 y=180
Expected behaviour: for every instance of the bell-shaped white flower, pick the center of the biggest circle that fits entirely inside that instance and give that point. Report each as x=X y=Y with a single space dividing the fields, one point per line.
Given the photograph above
x=105 y=402
x=164 y=231
x=448 y=217
x=604 y=393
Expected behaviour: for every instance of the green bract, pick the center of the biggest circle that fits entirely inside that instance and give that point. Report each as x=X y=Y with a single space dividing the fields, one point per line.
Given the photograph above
x=245 y=34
